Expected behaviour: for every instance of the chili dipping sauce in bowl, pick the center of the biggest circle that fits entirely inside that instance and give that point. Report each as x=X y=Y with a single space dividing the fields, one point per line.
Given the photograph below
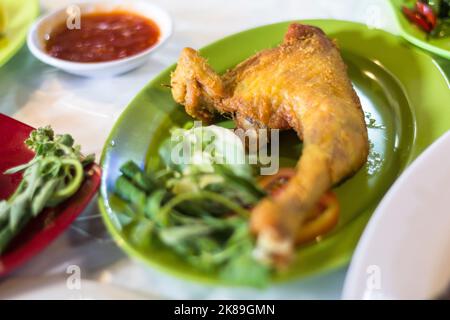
x=100 y=38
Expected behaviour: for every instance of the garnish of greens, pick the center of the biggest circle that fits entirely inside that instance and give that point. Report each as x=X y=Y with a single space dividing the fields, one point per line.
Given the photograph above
x=53 y=175
x=199 y=209
x=432 y=16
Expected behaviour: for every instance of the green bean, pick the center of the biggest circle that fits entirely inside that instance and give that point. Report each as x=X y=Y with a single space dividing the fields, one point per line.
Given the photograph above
x=153 y=203
x=42 y=197
x=18 y=211
x=129 y=192
x=138 y=177
x=4 y=211
x=53 y=175
x=5 y=237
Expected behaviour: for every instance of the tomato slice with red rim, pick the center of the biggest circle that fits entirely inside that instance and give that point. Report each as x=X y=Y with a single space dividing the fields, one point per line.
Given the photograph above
x=321 y=219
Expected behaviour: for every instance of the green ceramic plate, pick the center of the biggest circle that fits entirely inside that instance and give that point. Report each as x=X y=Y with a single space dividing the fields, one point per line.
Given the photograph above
x=415 y=35
x=402 y=90
x=19 y=15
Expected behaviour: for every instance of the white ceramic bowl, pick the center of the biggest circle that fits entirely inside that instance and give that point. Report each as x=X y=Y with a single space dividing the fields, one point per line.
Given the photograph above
x=404 y=252
x=42 y=27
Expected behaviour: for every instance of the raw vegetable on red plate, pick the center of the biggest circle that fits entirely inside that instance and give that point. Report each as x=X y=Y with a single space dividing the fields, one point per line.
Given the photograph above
x=45 y=182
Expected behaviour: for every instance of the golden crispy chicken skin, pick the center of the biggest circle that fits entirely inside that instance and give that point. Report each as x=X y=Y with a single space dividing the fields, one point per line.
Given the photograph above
x=301 y=84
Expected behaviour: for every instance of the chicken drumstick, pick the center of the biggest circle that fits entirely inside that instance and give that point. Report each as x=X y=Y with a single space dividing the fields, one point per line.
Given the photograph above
x=301 y=84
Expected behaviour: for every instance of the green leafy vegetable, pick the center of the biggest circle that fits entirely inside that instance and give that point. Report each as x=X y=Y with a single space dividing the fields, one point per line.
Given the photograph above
x=53 y=175
x=197 y=208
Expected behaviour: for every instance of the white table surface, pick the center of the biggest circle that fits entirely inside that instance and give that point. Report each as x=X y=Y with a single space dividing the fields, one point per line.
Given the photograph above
x=39 y=95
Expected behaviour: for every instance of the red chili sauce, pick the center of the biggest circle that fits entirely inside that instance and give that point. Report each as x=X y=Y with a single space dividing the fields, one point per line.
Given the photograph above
x=103 y=37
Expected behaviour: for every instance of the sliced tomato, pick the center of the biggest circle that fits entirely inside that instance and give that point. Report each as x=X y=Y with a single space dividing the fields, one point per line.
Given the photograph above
x=322 y=218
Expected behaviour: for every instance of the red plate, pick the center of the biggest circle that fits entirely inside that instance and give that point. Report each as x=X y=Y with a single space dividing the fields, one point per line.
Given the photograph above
x=42 y=230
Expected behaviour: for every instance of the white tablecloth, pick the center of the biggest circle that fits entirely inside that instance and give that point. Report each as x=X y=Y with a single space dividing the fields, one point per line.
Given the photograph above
x=39 y=95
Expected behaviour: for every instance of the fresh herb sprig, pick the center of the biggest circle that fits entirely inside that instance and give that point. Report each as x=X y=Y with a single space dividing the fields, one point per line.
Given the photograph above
x=53 y=175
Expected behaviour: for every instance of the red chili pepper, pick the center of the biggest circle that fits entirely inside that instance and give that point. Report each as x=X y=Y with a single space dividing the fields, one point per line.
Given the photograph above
x=427 y=12
x=416 y=18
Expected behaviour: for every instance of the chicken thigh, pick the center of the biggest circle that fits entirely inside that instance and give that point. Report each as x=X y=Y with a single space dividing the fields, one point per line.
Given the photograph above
x=301 y=84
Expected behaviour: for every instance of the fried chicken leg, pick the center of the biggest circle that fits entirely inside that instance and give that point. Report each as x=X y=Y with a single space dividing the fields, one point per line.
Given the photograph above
x=301 y=84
